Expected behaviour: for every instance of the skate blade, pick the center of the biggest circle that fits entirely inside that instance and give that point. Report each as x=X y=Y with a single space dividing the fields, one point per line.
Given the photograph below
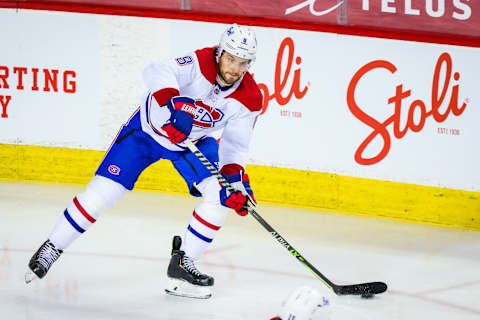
x=176 y=287
x=30 y=276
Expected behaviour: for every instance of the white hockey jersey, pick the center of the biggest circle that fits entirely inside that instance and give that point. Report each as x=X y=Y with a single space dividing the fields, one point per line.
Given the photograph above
x=235 y=109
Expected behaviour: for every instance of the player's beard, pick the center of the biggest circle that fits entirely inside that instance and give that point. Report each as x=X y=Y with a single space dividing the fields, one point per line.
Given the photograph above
x=228 y=77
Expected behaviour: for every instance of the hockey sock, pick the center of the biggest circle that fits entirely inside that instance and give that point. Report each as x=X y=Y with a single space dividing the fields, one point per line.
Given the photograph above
x=206 y=221
x=100 y=194
x=74 y=221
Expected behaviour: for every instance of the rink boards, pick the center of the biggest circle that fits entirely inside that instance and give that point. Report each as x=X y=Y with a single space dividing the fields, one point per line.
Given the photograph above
x=291 y=187
x=368 y=126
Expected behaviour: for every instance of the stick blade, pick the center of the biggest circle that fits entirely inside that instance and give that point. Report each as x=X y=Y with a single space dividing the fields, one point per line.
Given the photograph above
x=362 y=289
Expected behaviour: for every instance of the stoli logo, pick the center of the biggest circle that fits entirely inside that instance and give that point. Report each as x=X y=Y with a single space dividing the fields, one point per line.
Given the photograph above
x=282 y=76
x=439 y=93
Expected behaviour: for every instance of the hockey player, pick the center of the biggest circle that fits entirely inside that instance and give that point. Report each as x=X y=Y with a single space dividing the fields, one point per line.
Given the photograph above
x=188 y=97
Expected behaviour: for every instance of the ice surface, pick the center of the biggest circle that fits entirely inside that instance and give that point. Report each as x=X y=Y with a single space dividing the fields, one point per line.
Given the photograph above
x=117 y=269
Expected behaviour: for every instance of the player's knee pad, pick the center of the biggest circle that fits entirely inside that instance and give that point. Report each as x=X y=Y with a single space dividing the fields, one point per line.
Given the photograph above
x=210 y=207
x=211 y=212
x=210 y=190
x=101 y=194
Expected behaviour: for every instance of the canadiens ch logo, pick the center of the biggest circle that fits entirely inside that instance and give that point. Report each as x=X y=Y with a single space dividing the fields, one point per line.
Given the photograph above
x=206 y=116
x=113 y=169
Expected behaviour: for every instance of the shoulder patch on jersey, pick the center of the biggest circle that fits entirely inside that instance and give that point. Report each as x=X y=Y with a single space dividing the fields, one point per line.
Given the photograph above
x=207 y=63
x=183 y=61
x=248 y=94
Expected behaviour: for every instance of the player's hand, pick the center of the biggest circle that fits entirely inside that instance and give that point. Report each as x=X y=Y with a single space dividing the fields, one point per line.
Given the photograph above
x=179 y=126
x=239 y=199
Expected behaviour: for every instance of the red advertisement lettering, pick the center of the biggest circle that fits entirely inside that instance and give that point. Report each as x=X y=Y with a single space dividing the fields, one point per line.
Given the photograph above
x=281 y=78
x=439 y=95
x=69 y=86
x=51 y=82
x=51 y=79
x=4 y=77
x=4 y=101
x=35 y=79
x=20 y=71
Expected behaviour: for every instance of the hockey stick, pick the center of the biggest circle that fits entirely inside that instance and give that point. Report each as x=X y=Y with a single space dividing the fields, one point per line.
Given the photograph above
x=364 y=289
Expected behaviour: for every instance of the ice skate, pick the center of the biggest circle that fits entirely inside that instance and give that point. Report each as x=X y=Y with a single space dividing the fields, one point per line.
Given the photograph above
x=41 y=261
x=184 y=278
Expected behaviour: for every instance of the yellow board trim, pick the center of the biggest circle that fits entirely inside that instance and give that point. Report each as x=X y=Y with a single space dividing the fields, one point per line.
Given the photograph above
x=288 y=187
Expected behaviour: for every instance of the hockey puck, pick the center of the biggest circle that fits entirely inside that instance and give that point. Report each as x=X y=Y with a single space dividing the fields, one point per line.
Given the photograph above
x=367 y=296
